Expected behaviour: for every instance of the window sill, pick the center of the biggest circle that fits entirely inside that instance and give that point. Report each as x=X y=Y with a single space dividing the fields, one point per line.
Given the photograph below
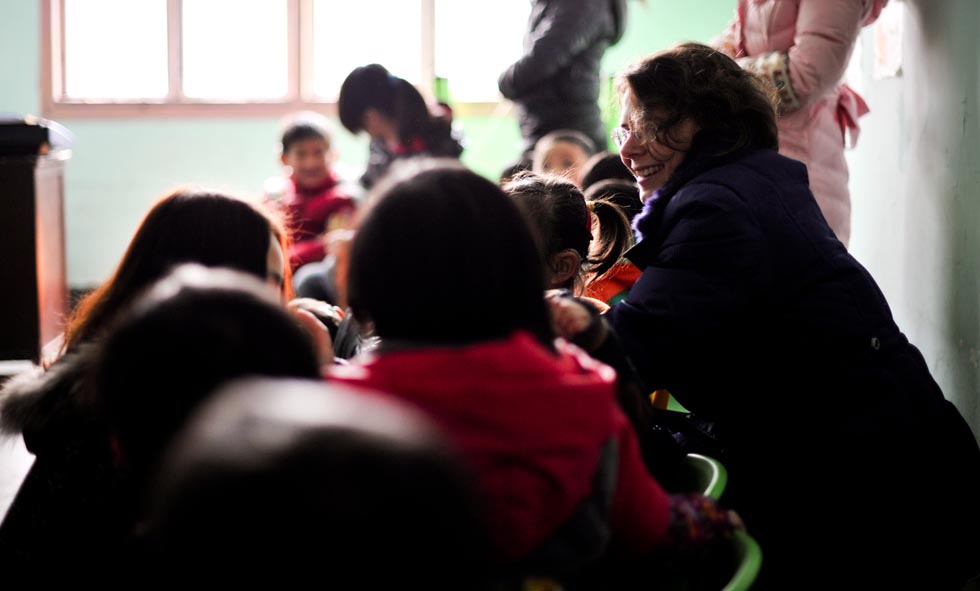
x=62 y=110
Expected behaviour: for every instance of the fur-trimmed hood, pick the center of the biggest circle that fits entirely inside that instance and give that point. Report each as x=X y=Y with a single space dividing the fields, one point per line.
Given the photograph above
x=47 y=405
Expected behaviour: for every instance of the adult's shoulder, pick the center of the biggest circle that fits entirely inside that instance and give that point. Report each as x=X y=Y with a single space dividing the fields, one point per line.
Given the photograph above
x=767 y=164
x=772 y=166
x=755 y=174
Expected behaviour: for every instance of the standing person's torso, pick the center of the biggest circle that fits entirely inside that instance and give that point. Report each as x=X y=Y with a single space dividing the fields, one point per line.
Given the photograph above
x=568 y=99
x=578 y=81
x=768 y=25
x=818 y=37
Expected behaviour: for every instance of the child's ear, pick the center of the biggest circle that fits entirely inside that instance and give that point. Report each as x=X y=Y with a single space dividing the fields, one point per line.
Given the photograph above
x=282 y=158
x=565 y=266
x=368 y=119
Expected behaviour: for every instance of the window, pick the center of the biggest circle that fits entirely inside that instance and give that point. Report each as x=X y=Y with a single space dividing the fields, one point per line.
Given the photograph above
x=471 y=51
x=264 y=57
x=339 y=45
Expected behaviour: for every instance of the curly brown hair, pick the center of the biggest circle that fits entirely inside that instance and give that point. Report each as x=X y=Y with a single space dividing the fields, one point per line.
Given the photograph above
x=691 y=80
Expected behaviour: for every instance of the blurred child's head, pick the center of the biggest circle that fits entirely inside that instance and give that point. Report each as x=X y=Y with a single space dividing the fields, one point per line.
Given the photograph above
x=623 y=193
x=306 y=149
x=512 y=170
x=556 y=209
x=605 y=166
x=187 y=226
x=581 y=239
x=563 y=152
x=385 y=106
x=306 y=479
x=189 y=333
x=443 y=256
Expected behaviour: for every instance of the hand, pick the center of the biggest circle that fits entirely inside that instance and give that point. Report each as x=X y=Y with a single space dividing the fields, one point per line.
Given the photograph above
x=327 y=313
x=736 y=521
x=323 y=345
x=334 y=241
x=568 y=317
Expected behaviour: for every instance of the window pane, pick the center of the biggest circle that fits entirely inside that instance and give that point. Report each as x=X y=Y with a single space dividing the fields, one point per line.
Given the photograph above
x=116 y=49
x=350 y=34
x=474 y=45
x=235 y=50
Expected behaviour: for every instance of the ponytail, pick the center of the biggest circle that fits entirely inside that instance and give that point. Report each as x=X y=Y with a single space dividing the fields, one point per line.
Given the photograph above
x=612 y=238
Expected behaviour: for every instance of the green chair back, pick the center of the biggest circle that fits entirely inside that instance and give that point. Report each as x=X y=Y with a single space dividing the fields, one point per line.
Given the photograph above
x=748 y=557
x=709 y=476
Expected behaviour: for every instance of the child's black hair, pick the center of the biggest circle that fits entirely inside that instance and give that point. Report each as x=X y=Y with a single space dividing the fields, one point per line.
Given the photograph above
x=623 y=193
x=279 y=474
x=304 y=127
x=443 y=256
x=561 y=214
x=566 y=136
x=373 y=87
x=605 y=166
x=190 y=332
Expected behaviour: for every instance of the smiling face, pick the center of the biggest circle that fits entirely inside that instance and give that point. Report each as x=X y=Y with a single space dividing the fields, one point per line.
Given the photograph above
x=309 y=160
x=651 y=161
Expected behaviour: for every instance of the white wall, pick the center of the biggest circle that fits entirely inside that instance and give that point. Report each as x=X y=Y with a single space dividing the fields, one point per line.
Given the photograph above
x=915 y=183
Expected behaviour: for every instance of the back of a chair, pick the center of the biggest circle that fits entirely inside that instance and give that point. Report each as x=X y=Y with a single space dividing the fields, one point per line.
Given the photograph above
x=708 y=475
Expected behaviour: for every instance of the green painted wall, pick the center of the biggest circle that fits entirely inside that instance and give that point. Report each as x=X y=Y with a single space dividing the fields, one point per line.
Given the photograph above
x=915 y=182
x=20 y=70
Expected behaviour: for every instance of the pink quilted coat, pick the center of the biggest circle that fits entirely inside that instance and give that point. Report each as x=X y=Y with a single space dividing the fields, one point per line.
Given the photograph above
x=805 y=45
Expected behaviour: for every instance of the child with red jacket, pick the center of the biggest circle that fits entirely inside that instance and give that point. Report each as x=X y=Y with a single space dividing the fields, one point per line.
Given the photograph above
x=311 y=198
x=536 y=420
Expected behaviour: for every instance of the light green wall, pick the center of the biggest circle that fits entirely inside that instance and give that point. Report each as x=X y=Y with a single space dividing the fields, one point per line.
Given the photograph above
x=20 y=71
x=657 y=24
x=120 y=167
x=915 y=183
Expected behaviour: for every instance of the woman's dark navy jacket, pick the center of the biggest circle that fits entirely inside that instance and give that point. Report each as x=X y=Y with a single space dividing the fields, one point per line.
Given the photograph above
x=755 y=316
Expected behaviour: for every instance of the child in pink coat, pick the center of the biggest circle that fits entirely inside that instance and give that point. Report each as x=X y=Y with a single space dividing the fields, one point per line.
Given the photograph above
x=804 y=47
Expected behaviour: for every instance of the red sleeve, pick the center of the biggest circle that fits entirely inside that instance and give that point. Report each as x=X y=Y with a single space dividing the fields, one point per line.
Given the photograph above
x=641 y=507
x=307 y=251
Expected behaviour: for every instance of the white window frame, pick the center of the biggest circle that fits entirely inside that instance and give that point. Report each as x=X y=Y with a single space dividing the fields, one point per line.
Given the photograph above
x=56 y=105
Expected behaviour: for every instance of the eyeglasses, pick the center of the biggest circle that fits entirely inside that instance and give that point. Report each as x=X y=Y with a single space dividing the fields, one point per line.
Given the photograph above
x=620 y=135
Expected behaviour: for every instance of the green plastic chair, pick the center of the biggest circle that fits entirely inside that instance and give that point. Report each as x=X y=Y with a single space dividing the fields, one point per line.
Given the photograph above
x=709 y=476
x=748 y=557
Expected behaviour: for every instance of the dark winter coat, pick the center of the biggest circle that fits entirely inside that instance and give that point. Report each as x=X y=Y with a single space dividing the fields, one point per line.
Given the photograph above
x=843 y=453
x=71 y=511
x=555 y=85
